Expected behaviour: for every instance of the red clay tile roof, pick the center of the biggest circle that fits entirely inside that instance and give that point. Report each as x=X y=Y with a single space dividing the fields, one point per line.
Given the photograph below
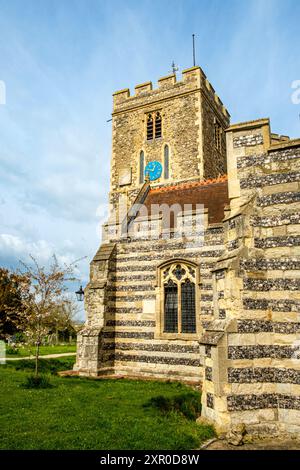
x=212 y=193
x=193 y=184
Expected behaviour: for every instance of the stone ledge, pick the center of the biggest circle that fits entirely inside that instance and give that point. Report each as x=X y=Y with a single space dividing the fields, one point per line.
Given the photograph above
x=211 y=338
x=248 y=125
x=284 y=145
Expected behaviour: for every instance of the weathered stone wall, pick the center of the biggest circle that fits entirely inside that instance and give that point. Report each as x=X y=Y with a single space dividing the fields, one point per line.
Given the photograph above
x=212 y=110
x=90 y=359
x=258 y=290
x=131 y=339
x=188 y=110
x=123 y=330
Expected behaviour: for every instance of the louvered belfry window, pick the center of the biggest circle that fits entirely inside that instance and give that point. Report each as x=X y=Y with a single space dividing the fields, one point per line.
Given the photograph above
x=179 y=295
x=157 y=125
x=150 y=127
x=218 y=135
x=154 y=125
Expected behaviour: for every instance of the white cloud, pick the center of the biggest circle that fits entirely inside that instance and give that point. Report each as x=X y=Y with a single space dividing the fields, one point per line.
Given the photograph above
x=14 y=247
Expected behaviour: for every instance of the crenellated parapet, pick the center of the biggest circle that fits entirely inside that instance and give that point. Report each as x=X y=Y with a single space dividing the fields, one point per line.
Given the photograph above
x=193 y=79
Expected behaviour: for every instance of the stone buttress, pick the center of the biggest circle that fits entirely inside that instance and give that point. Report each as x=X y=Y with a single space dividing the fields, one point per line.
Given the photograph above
x=252 y=370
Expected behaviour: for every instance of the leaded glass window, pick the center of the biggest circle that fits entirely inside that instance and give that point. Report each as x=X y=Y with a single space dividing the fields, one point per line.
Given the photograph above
x=171 y=307
x=179 y=298
x=178 y=272
x=188 y=307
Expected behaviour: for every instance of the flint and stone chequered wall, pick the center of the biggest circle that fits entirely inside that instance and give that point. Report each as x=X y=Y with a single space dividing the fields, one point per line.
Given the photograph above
x=129 y=342
x=258 y=380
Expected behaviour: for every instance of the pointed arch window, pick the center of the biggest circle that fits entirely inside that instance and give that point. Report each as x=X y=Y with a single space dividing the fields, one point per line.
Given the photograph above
x=150 y=127
x=154 y=125
x=188 y=307
x=166 y=162
x=142 y=167
x=171 y=307
x=158 y=125
x=178 y=281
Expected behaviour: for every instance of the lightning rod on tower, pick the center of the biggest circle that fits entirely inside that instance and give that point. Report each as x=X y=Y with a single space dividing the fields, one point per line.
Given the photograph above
x=194 y=60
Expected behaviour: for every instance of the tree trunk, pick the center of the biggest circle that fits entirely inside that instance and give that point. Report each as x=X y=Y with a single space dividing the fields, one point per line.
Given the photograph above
x=37 y=352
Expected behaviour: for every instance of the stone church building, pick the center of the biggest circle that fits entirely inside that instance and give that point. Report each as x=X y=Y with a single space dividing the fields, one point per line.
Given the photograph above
x=207 y=292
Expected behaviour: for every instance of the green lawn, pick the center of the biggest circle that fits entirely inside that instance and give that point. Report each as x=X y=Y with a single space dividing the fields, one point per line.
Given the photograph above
x=55 y=349
x=80 y=413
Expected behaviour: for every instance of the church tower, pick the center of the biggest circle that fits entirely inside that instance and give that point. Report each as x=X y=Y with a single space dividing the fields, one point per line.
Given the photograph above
x=178 y=128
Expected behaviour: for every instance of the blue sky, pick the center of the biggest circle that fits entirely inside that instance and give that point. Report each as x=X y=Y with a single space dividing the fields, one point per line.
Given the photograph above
x=61 y=60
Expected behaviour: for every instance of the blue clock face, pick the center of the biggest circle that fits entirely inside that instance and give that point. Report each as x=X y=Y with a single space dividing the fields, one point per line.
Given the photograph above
x=153 y=170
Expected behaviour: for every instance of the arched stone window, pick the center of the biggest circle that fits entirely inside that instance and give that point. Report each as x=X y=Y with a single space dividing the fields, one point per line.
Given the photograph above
x=157 y=125
x=154 y=125
x=218 y=135
x=177 y=291
x=142 y=167
x=150 y=127
x=166 y=162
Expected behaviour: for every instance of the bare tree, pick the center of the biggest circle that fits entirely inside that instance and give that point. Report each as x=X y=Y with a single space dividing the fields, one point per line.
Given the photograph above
x=48 y=289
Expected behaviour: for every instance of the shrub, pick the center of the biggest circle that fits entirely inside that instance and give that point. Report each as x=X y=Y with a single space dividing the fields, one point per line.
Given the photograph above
x=40 y=381
x=11 y=350
x=187 y=404
x=19 y=337
x=46 y=366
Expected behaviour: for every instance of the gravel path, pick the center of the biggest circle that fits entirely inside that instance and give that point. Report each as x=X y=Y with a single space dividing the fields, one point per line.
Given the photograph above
x=44 y=356
x=263 y=444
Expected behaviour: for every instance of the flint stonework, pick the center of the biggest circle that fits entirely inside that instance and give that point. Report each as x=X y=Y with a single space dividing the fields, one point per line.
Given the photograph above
x=236 y=334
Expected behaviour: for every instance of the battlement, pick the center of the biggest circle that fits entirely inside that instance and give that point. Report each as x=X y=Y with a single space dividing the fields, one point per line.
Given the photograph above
x=193 y=79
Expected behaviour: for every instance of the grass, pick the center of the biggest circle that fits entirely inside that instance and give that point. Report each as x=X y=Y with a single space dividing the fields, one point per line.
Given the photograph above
x=44 y=350
x=46 y=366
x=37 y=381
x=187 y=403
x=79 y=413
